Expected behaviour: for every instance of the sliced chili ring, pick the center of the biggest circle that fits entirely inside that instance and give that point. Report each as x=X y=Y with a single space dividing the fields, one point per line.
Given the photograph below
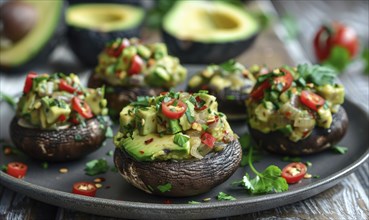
x=84 y=188
x=294 y=172
x=64 y=86
x=171 y=111
x=285 y=80
x=82 y=108
x=17 y=169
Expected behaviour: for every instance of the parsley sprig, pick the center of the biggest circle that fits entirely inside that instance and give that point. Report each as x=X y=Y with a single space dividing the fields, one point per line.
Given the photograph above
x=268 y=181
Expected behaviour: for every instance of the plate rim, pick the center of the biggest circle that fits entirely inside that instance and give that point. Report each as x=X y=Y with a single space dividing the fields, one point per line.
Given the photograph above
x=183 y=210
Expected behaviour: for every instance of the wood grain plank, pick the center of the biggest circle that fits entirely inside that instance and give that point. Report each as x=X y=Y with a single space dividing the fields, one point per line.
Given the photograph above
x=17 y=206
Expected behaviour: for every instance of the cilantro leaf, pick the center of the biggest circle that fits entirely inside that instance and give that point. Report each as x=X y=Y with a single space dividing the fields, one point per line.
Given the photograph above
x=223 y=196
x=319 y=75
x=339 y=58
x=8 y=99
x=165 y=188
x=95 y=167
x=340 y=149
x=193 y=202
x=181 y=139
x=268 y=181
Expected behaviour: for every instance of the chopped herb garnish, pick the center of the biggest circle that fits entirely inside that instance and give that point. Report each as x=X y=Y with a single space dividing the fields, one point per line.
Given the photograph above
x=4 y=168
x=319 y=75
x=223 y=196
x=165 y=188
x=181 y=139
x=142 y=101
x=308 y=163
x=268 y=181
x=95 y=167
x=8 y=99
x=109 y=132
x=110 y=153
x=291 y=159
x=78 y=137
x=339 y=149
x=316 y=176
x=45 y=165
x=230 y=97
x=193 y=202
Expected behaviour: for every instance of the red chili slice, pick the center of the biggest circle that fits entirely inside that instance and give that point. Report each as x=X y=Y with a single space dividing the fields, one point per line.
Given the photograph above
x=136 y=65
x=17 y=169
x=286 y=80
x=82 y=108
x=311 y=100
x=173 y=112
x=258 y=92
x=62 y=118
x=84 y=188
x=200 y=104
x=294 y=172
x=29 y=82
x=64 y=86
x=208 y=139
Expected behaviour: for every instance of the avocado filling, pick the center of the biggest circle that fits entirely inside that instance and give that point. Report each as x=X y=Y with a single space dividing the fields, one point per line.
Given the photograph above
x=229 y=75
x=129 y=63
x=173 y=126
x=294 y=100
x=58 y=101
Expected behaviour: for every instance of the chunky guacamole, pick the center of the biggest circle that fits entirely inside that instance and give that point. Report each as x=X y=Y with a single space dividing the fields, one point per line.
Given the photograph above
x=229 y=75
x=57 y=101
x=128 y=62
x=294 y=101
x=173 y=126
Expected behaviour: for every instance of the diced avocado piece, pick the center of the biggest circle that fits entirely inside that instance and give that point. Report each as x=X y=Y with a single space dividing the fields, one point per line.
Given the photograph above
x=160 y=50
x=173 y=126
x=161 y=74
x=220 y=83
x=153 y=147
x=146 y=120
x=28 y=102
x=35 y=117
x=95 y=99
x=143 y=51
x=184 y=120
x=126 y=116
x=335 y=95
x=210 y=101
x=160 y=125
x=195 y=81
x=55 y=112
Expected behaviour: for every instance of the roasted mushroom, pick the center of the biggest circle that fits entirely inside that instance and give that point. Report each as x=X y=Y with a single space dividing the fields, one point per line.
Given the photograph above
x=297 y=111
x=57 y=119
x=230 y=82
x=129 y=69
x=180 y=148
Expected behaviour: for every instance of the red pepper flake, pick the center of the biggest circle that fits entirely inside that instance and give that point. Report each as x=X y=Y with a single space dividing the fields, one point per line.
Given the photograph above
x=142 y=152
x=148 y=141
x=168 y=201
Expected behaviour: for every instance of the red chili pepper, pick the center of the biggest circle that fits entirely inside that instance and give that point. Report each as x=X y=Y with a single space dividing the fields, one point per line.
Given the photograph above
x=294 y=172
x=208 y=139
x=84 y=188
x=115 y=52
x=64 y=86
x=17 y=169
x=62 y=118
x=82 y=108
x=136 y=65
x=29 y=82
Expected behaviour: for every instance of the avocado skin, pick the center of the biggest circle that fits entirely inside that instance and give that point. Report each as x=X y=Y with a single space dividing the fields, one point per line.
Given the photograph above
x=59 y=145
x=319 y=140
x=193 y=52
x=121 y=96
x=187 y=177
x=43 y=55
x=129 y=2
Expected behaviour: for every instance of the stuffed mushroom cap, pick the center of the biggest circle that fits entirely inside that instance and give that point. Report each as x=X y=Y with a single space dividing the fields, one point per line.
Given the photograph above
x=175 y=144
x=297 y=111
x=57 y=119
x=130 y=68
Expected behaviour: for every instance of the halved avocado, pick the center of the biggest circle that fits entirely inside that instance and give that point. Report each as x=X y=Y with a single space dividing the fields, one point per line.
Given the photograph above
x=33 y=46
x=208 y=32
x=91 y=26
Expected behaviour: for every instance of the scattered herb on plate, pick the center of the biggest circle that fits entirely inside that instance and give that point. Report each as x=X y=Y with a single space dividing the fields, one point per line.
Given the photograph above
x=95 y=167
x=165 y=188
x=267 y=181
x=8 y=99
x=340 y=149
x=223 y=196
x=193 y=202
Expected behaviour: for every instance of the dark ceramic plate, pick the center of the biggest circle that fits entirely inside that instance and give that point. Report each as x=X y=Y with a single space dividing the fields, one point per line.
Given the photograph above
x=119 y=199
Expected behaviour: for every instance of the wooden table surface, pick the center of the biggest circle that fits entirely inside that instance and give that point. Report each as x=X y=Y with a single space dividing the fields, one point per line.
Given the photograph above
x=349 y=198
